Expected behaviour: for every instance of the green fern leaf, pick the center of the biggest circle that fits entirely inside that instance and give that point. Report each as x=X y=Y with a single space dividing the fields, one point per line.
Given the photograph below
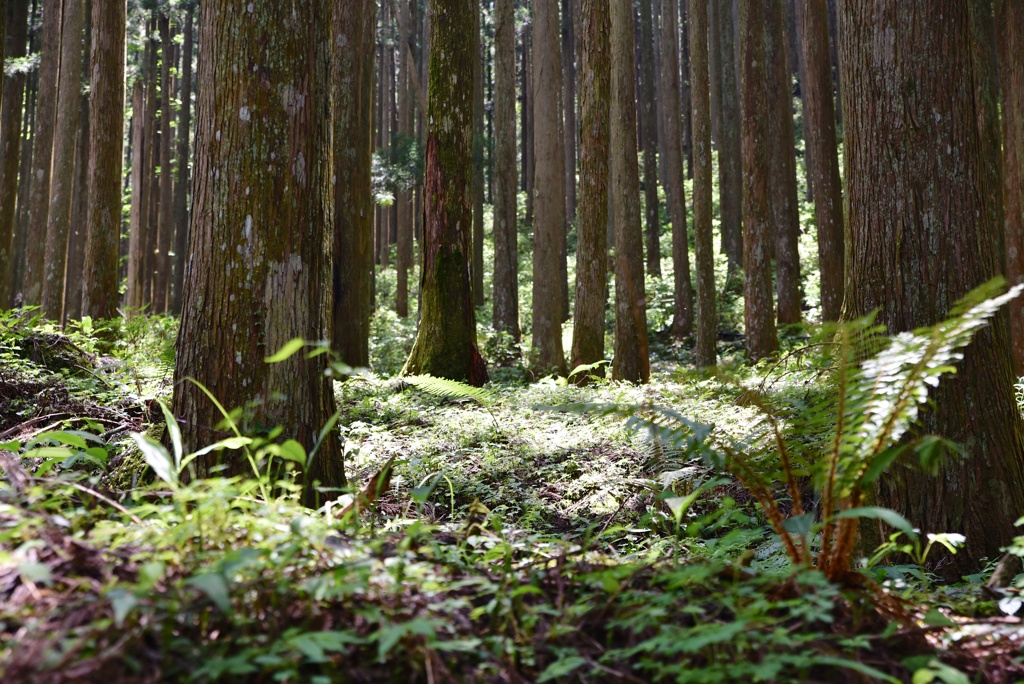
x=448 y=389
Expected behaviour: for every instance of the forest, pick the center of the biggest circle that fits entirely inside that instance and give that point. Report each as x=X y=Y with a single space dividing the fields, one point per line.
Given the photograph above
x=512 y=341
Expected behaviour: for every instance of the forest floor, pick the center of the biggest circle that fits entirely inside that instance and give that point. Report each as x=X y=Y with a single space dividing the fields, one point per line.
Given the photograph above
x=539 y=531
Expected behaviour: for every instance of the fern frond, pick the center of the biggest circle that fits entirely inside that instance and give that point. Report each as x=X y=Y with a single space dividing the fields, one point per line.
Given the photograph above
x=449 y=389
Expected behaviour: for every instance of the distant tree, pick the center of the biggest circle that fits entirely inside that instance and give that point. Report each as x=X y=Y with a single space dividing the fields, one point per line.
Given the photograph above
x=403 y=198
x=16 y=38
x=1010 y=40
x=569 y=58
x=505 y=229
x=478 y=161
x=259 y=243
x=548 y=191
x=730 y=160
x=700 y=94
x=920 y=235
x=78 y=233
x=106 y=133
x=182 y=180
x=445 y=343
x=820 y=132
x=649 y=126
x=631 y=361
x=592 y=210
x=135 y=297
x=353 y=200
x=151 y=160
x=759 y=316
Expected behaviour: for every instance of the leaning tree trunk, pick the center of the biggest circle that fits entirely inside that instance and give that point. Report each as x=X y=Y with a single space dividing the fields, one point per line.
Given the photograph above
x=106 y=132
x=445 y=343
x=506 y=252
x=759 y=318
x=648 y=103
x=1010 y=34
x=10 y=146
x=700 y=97
x=631 y=361
x=592 y=211
x=353 y=201
x=259 y=240
x=921 y=235
x=820 y=134
x=548 y=191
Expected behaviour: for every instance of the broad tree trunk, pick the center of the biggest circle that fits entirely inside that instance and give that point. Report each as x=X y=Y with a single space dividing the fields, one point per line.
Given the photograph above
x=74 y=273
x=259 y=242
x=182 y=182
x=700 y=94
x=759 y=318
x=921 y=235
x=820 y=133
x=353 y=203
x=16 y=39
x=592 y=224
x=505 y=229
x=650 y=140
x=548 y=191
x=730 y=160
x=445 y=343
x=631 y=361
x=42 y=152
x=1010 y=40
x=478 y=162
x=682 y=320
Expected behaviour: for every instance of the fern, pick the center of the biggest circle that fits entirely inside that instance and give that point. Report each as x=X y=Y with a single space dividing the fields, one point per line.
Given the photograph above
x=449 y=389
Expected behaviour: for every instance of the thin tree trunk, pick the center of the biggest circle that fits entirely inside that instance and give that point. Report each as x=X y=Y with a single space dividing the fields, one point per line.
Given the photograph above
x=182 y=184
x=592 y=225
x=506 y=252
x=403 y=198
x=136 y=294
x=165 y=216
x=25 y=177
x=1010 y=41
x=650 y=140
x=529 y=117
x=152 y=188
x=478 y=162
x=74 y=273
x=16 y=39
x=730 y=160
x=700 y=93
x=569 y=106
x=683 y=50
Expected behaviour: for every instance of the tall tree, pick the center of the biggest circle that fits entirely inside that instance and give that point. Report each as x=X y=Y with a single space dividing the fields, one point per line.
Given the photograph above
x=1010 y=41
x=569 y=104
x=259 y=243
x=150 y=180
x=548 y=191
x=631 y=361
x=820 y=131
x=592 y=224
x=58 y=221
x=165 y=184
x=182 y=182
x=758 y=314
x=920 y=236
x=403 y=198
x=353 y=201
x=42 y=151
x=478 y=161
x=135 y=297
x=782 y=195
x=106 y=135
x=700 y=94
x=730 y=161
x=16 y=38
x=682 y=320
x=506 y=251
x=77 y=235
x=649 y=128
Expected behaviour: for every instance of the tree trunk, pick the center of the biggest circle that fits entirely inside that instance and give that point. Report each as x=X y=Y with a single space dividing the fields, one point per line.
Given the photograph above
x=353 y=201
x=921 y=235
x=759 y=318
x=25 y=177
x=165 y=216
x=682 y=320
x=74 y=273
x=683 y=50
x=136 y=294
x=106 y=133
x=631 y=361
x=478 y=161
x=700 y=94
x=820 y=133
x=782 y=194
x=548 y=192
x=152 y=187
x=505 y=229
x=445 y=343
x=403 y=198
x=592 y=224
x=259 y=238
x=1010 y=40
x=42 y=148
x=182 y=183
x=528 y=106
x=650 y=140
x=569 y=106
x=730 y=160
x=10 y=144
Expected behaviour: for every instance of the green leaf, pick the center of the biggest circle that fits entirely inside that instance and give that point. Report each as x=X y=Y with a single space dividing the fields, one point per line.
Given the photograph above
x=55 y=453
x=388 y=636
x=35 y=572
x=291 y=450
x=174 y=432
x=886 y=515
x=122 y=601
x=228 y=443
x=215 y=587
x=449 y=389
x=867 y=670
x=881 y=463
x=799 y=524
x=561 y=668
x=13 y=445
x=157 y=458
x=935 y=618
x=287 y=351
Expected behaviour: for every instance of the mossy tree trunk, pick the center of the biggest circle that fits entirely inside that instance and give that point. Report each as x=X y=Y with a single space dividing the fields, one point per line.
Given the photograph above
x=506 y=252
x=1010 y=34
x=592 y=210
x=445 y=343
x=10 y=143
x=259 y=242
x=920 y=235
x=700 y=97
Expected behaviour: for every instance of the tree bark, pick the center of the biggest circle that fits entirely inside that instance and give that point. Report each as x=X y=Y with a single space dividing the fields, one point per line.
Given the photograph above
x=16 y=39
x=820 y=133
x=260 y=235
x=759 y=318
x=353 y=202
x=165 y=216
x=592 y=224
x=74 y=274
x=631 y=361
x=548 y=192
x=700 y=94
x=649 y=117
x=921 y=234
x=478 y=161
x=569 y=106
x=1010 y=41
x=136 y=294
x=182 y=182
x=445 y=343
x=505 y=229
x=682 y=320
x=403 y=198
x=152 y=191
x=730 y=160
